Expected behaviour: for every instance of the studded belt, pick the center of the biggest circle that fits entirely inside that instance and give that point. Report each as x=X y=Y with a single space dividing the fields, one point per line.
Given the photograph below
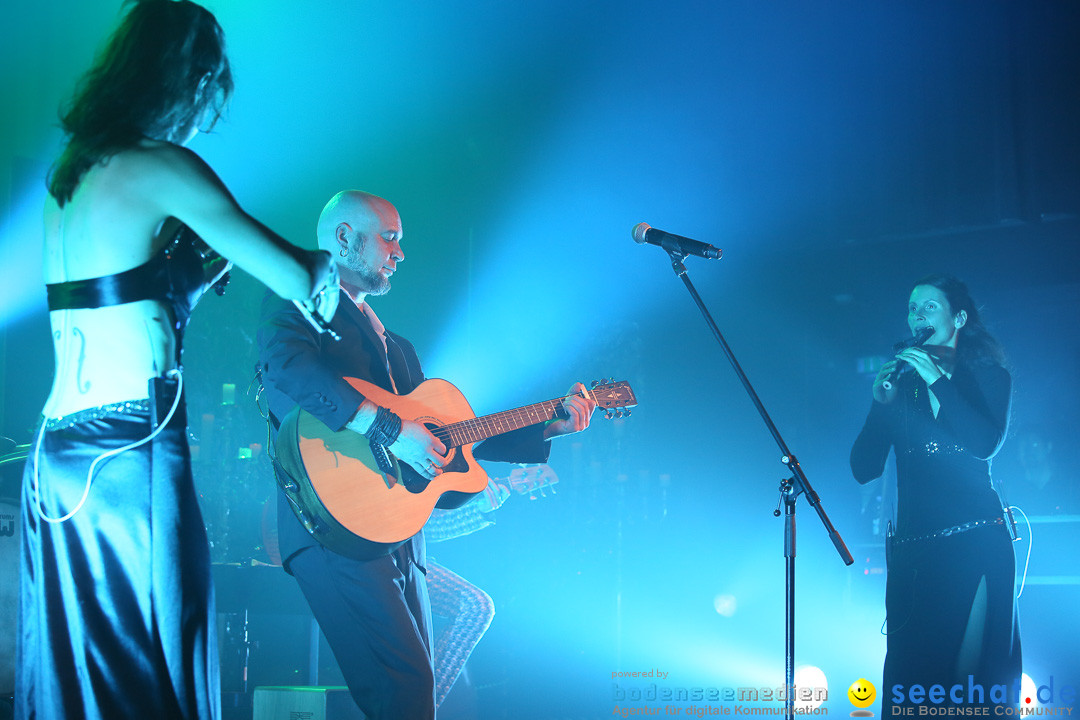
x=97 y=413
x=935 y=448
x=949 y=531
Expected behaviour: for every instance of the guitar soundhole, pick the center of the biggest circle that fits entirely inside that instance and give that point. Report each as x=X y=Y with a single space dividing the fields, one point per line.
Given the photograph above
x=457 y=463
x=415 y=483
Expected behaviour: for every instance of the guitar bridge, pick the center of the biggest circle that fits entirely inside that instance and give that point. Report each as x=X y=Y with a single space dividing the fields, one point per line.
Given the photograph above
x=382 y=459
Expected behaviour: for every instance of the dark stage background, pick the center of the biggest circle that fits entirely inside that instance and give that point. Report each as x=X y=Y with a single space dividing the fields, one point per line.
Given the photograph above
x=835 y=151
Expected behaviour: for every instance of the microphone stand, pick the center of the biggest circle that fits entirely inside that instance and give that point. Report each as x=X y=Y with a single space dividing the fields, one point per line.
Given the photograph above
x=790 y=489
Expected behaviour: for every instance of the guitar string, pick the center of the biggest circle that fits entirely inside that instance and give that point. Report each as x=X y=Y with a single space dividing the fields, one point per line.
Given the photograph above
x=475 y=429
x=459 y=433
x=494 y=421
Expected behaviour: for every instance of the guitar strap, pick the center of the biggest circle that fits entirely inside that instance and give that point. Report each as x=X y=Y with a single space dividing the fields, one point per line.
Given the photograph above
x=380 y=453
x=380 y=333
x=399 y=366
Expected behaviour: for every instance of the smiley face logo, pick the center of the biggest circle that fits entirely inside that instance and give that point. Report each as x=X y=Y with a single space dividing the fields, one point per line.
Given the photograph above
x=862 y=693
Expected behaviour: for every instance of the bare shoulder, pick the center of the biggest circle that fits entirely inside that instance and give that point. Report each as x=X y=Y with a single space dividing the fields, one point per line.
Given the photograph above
x=172 y=179
x=163 y=161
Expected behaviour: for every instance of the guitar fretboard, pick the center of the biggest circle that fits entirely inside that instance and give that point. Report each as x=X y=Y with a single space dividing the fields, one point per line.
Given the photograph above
x=481 y=428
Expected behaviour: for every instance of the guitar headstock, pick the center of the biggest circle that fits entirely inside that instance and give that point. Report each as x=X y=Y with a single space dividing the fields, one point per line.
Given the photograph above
x=615 y=398
x=532 y=480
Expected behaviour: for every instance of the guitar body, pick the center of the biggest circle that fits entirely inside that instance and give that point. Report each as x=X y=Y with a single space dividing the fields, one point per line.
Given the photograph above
x=342 y=495
x=347 y=503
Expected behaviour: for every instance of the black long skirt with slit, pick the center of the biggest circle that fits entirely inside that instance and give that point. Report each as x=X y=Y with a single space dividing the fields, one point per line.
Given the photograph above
x=931 y=598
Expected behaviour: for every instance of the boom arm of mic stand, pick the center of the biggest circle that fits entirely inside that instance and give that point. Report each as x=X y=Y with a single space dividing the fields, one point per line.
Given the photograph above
x=801 y=483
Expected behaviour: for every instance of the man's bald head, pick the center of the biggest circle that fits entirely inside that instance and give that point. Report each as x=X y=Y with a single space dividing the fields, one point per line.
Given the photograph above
x=359 y=210
x=363 y=234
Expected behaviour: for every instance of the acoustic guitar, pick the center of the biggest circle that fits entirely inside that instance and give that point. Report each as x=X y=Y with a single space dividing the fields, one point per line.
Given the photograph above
x=338 y=491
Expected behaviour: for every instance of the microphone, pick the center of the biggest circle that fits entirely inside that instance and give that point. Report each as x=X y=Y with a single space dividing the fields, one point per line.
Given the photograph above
x=915 y=340
x=674 y=243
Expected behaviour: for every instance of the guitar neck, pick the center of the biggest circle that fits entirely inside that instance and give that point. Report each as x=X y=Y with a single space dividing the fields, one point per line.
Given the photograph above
x=481 y=428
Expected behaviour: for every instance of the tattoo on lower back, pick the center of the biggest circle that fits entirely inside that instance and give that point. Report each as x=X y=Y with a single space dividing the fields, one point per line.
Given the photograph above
x=82 y=387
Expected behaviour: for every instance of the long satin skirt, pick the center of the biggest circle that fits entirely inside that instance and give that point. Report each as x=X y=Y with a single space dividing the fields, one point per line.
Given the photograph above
x=116 y=604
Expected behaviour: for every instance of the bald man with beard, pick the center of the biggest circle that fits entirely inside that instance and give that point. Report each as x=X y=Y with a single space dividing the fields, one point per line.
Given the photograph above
x=374 y=613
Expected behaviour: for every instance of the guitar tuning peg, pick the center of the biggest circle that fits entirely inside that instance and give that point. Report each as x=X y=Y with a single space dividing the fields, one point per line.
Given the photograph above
x=608 y=414
x=594 y=383
x=628 y=412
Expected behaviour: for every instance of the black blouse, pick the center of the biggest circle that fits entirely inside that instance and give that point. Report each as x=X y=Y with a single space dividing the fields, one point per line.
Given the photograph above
x=942 y=463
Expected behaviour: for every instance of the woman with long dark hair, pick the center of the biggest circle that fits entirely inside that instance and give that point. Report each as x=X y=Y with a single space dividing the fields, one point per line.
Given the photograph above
x=943 y=407
x=116 y=603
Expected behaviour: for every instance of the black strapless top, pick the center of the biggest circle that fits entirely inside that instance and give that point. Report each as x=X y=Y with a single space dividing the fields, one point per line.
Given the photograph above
x=176 y=276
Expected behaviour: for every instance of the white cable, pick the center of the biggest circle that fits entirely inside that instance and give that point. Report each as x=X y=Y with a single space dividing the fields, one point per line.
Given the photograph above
x=1031 y=541
x=103 y=456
